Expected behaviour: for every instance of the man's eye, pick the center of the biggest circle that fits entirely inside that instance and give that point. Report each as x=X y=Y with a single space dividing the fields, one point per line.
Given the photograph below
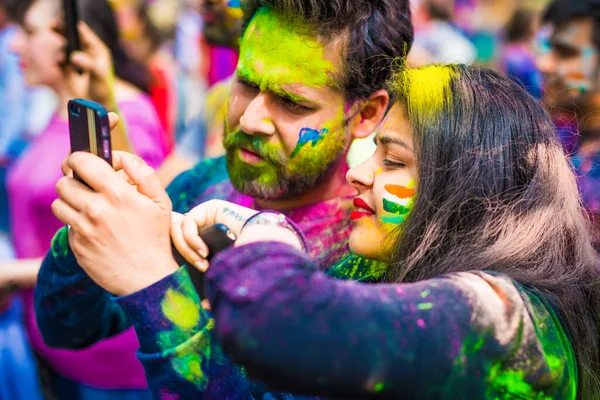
x=248 y=85
x=565 y=52
x=393 y=164
x=294 y=107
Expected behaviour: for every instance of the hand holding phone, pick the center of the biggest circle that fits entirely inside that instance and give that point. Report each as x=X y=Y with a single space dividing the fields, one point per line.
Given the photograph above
x=89 y=129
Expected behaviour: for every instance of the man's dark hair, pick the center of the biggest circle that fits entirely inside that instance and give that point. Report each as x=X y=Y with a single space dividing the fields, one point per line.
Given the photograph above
x=376 y=32
x=560 y=12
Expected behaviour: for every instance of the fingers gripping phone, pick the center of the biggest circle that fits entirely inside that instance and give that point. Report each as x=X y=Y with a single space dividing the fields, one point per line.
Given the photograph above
x=89 y=129
x=217 y=238
x=71 y=17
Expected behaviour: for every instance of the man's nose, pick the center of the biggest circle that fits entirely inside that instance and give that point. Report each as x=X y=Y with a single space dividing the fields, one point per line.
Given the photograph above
x=257 y=119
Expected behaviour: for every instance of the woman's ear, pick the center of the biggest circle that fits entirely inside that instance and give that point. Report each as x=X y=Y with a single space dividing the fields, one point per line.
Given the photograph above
x=370 y=114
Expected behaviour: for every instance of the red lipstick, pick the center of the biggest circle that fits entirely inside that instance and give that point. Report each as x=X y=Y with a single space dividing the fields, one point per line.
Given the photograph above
x=364 y=210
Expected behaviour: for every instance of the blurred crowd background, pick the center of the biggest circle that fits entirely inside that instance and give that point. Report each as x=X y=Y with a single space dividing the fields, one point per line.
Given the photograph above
x=173 y=59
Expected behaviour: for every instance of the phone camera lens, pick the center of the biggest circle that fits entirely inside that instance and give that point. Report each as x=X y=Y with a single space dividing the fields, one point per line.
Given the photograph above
x=75 y=110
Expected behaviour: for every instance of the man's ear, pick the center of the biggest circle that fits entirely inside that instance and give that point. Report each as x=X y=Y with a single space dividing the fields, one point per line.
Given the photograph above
x=370 y=114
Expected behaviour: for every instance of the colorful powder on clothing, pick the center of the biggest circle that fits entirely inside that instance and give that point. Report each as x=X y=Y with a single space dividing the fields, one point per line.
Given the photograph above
x=379 y=387
x=180 y=310
x=425 y=306
x=358 y=268
x=60 y=243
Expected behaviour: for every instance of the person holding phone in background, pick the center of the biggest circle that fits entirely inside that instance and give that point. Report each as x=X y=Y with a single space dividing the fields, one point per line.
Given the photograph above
x=109 y=79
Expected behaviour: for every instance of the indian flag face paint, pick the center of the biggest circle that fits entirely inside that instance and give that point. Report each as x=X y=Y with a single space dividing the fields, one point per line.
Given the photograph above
x=397 y=203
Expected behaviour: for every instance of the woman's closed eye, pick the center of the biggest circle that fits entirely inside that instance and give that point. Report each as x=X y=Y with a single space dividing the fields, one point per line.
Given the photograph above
x=393 y=164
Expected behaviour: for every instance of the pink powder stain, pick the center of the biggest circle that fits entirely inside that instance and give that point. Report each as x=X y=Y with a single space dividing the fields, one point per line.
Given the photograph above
x=400 y=291
x=421 y=323
x=347 y=107
x=166 y=395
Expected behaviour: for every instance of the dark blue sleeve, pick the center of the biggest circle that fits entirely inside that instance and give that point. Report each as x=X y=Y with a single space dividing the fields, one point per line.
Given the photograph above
x=72 y=311
x=462 y=336
x=178 y=347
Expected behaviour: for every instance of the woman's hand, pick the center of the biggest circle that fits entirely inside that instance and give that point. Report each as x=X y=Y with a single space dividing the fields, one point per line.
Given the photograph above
x=96 y=82
x=184 y=228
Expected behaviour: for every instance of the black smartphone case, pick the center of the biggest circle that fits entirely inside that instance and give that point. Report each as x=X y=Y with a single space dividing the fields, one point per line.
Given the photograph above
x=89 y=129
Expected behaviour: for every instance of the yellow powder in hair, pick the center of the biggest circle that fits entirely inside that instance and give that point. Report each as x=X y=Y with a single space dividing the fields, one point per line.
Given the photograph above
x=426 y=89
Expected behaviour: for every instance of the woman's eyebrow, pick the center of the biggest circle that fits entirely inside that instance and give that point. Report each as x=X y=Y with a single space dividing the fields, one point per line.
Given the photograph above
x=392 y=140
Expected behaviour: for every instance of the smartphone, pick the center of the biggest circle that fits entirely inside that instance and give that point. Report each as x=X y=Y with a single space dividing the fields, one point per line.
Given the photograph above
x=71 y=20
x=89 y=129
x=217 y=237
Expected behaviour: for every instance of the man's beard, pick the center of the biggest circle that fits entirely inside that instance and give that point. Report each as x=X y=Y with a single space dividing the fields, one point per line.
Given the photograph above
x=271 y=181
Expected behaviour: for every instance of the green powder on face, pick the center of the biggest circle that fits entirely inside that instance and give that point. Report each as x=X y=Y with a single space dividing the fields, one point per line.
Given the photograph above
x=393 y=220
x=277 y=54
x=394 y=208
x=277 y=51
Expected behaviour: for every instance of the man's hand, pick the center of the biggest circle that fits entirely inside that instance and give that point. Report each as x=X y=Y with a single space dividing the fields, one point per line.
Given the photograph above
x=119 y=230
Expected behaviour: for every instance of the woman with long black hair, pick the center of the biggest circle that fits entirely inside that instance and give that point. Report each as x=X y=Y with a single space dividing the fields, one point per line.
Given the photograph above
x=491 y=289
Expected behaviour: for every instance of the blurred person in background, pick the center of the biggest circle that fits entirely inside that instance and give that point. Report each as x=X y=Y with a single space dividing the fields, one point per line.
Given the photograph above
x=438 y=36
x=147 y=44
x=572 y=89
x=13 y=110
x=518 y=56
x=482 y=21
x=222 y=26
x=111 y=365
x=19 y=378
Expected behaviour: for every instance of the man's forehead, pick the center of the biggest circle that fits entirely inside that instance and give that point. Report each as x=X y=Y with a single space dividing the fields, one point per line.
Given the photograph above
x=283 y=50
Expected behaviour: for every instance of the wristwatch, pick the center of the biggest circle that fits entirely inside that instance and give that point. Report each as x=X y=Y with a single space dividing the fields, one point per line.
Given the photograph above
x=277 y=219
